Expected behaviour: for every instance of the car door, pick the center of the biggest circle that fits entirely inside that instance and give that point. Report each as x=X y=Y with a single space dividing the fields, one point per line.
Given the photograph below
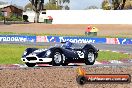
x=71 y=55
x=74 y=55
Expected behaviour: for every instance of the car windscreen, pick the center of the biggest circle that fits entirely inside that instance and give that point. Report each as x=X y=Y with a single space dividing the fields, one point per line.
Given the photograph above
x=73 y=46
x=77 y=46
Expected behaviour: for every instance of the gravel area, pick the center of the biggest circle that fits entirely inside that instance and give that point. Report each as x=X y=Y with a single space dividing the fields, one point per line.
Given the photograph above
x=70 y=29
x=57 y=77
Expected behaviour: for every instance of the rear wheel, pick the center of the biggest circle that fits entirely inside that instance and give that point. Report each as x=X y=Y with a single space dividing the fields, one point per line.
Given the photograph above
x=30 y=64
x=90 y=59
x=57 y=58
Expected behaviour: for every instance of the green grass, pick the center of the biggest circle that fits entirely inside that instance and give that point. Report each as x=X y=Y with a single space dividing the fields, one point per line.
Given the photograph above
x=11 y=54
x=13 y=33
x=43 y=34
x=108 y=55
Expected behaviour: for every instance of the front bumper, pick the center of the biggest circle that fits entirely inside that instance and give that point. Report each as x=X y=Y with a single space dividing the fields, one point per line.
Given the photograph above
x=35 y=59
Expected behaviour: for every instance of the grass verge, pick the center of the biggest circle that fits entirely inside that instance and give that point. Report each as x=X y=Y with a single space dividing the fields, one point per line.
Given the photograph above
x=11 y=54
x=32 y=34
x=108 y=55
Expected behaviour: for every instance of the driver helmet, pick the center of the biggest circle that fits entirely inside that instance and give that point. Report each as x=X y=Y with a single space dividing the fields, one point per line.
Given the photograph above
x=68 y=44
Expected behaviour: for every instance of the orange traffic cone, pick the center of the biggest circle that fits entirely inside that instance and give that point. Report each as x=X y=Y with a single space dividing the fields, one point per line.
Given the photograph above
x=81 y=71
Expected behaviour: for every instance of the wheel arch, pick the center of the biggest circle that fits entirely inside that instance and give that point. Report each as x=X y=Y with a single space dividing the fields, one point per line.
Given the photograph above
x=89 y=46
x=54 y=50
x=62 y=52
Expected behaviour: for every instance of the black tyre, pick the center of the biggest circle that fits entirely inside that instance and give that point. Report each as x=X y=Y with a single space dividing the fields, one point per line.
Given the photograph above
x=30 y=64
x=90 y=57
x=64 y=64
x=57 y=58
x=81 y=80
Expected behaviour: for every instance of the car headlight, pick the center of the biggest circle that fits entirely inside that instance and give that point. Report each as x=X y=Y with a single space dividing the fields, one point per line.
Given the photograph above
x=48 y=53
x=25 y=52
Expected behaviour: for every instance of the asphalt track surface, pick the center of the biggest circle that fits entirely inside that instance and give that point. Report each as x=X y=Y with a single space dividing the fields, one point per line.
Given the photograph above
x=111 y=47
x=115 y=47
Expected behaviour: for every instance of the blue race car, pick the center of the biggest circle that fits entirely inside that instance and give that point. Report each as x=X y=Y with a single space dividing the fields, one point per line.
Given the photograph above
x=62 y=54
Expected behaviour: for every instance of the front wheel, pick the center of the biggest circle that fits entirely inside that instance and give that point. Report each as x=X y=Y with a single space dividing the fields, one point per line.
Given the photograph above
x=57 y=58
x=90 y=59
x=30 y=64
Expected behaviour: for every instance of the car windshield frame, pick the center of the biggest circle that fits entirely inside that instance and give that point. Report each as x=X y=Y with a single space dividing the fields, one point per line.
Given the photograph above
x=73 y=46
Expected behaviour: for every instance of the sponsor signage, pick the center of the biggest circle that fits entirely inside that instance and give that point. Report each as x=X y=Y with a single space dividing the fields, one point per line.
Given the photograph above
x=83 y=78
x=21 y=38
x=84 y=40
x=17 y=38
x=125 y=40
x=103 y=78
x=118 y=41
x=76 y=39
x=42 y=39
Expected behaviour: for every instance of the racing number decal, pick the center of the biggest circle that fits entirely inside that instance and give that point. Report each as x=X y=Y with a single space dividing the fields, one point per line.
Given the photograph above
x=80 y=54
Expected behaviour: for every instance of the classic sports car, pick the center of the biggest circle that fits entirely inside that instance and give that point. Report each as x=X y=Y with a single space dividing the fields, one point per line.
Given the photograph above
x=62 y=54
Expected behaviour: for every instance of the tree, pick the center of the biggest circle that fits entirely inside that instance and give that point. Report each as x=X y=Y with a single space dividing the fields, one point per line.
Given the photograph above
x=0 y=12
x=50 y=6
x=37 y=6
x=61 y=3
x=116 y=4
x=67 y=7
x=123 y=4
x=1 y=15
x=29 y=5
x=52 y=1
x=128 y=5
x=106 y=5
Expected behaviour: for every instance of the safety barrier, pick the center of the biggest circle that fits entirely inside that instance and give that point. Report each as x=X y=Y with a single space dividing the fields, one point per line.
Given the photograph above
x=17 y=38
x=84 y=40
x=33 y=39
